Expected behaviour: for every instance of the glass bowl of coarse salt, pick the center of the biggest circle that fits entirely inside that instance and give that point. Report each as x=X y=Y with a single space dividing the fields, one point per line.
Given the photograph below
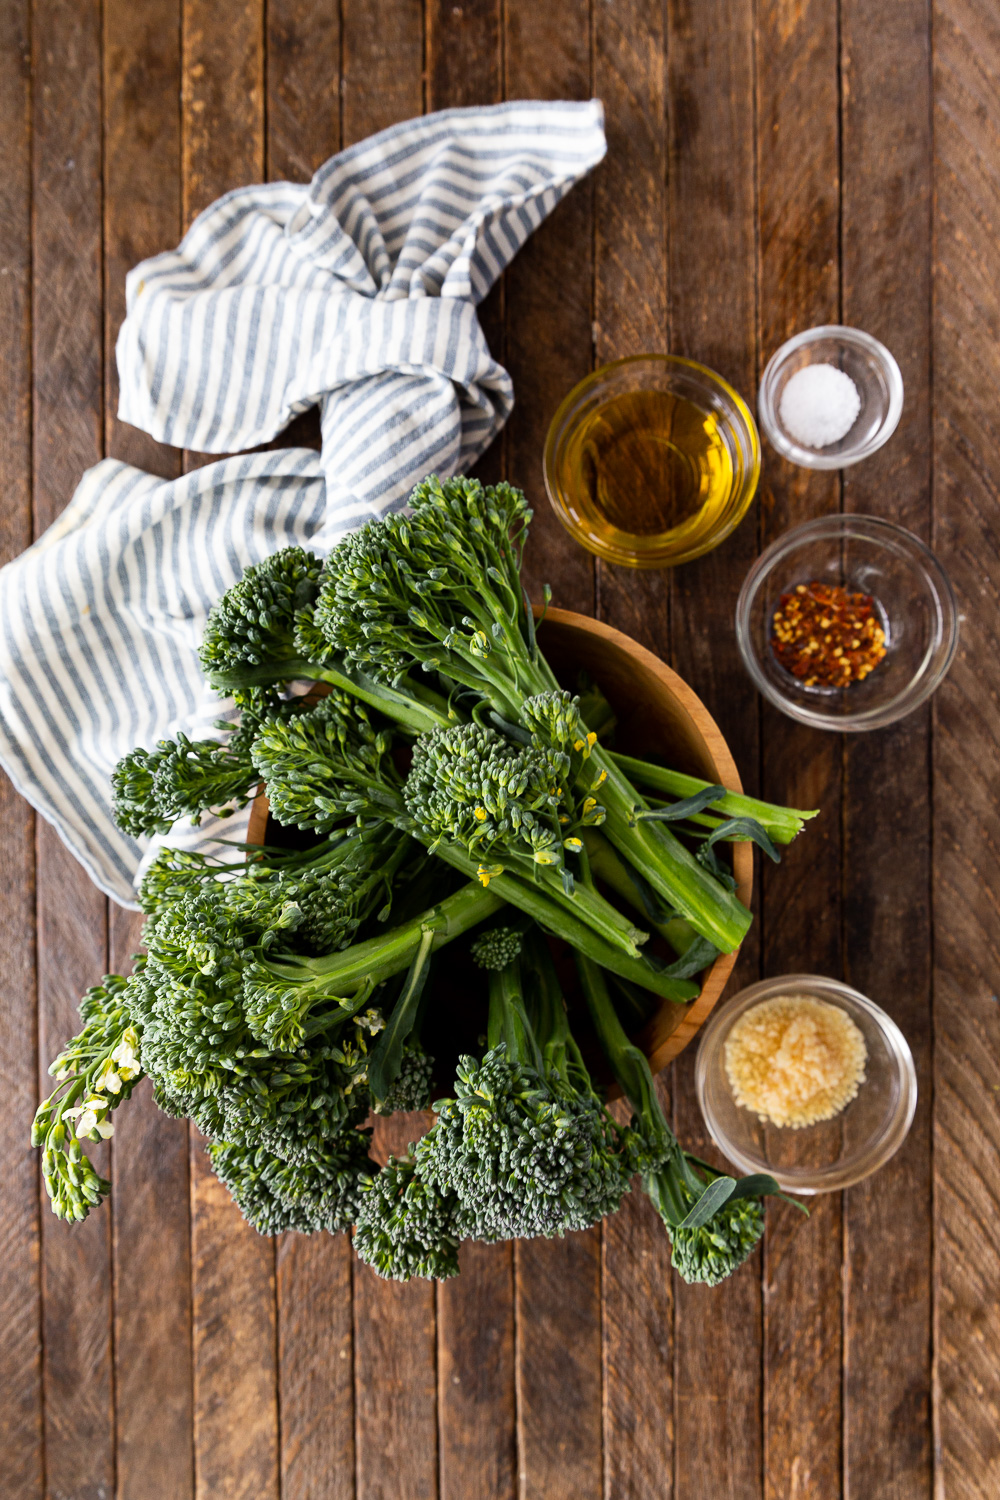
x=806 y=1079
x=830 y=397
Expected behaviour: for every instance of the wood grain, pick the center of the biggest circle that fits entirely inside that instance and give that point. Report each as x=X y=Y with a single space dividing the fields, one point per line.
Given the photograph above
x=222 y=99
x=316 y=1365
x=395 y=1386
x=235 y=1345
x=71 y=914
x=234 y=1310
x=152 y=1279
x=476 y=1402
x=966 y=831
x=477 y=1423
x=303 y=87
x=886 y=155
x=382 y=63
x=394 y=1325
x=314 y=1272
x=549 y=314
x=559 y=1367
x=549 y=342
x=142 y=199
x=151 y=1221
x=799 y=205
x=20 y=1282
x=712 y=310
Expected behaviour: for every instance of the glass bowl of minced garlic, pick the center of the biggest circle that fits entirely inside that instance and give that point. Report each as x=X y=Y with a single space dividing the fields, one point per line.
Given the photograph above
x=806 y=1079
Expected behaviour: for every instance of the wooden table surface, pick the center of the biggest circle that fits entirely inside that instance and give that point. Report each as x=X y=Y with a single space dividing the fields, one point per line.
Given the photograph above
x=772 y=164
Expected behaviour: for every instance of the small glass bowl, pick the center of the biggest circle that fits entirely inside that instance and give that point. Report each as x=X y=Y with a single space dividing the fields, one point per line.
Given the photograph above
x=874 y=372
x=832 y=1154
x=697 y=533
x=914 y=599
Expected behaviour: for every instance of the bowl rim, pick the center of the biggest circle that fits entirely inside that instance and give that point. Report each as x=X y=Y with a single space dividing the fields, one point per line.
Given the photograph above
x=843 y=524
x=820 y=1179
x=815 y=458
x=620 y=555
x=695 y=1012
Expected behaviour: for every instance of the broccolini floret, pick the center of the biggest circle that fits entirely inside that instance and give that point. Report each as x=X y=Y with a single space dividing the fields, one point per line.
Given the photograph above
x=273 y=1195
x=714 y=1221
x=497 y=947
x=406 y=1226
x=525 y=1143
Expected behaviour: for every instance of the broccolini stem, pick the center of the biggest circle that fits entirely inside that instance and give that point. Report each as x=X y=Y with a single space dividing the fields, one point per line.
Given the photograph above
x=782 y=823
x=508 y=1019
x=608 y=865
x=558 y=917
x=418 y=714
x=381 y=957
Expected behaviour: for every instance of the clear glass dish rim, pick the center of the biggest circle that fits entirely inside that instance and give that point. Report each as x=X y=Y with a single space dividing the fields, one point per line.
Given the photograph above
x=917 y=690
x=573 y=399
x=821 y=1179
x=814 y=458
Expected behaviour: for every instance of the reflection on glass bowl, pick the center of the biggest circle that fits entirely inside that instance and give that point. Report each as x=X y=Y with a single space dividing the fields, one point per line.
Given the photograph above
x=834 y=1153
x=913 y=598
x=876 y=377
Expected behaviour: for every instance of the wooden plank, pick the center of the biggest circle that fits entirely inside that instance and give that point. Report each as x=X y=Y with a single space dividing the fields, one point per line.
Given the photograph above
x=152 y=1228
x=303 y=87
x=235 y=1345
x=464 y=53
x=395 y=1398
x=548 y=349
x=559 y=1367
x=630 y=317
x=71 y=914
x=797 y=61
x=142 y=204
x=382 y=64
x=152 y=1271
x=395 y=1335
x=20 y=1281
x=549 y=314
x=477 y=1438
x=316 y=1366
x=712 y=319
x=314 y=1272
x=235 y=1396
x=222 y=99
x=76 y=1258
x=965 y=896
x=886 y=155
x=477 y=1427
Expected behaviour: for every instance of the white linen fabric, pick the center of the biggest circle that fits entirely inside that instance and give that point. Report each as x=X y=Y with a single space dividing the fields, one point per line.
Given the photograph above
x=356 y=293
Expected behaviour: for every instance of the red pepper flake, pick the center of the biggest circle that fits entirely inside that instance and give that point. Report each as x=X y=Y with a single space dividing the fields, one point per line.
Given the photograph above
x=827 y=636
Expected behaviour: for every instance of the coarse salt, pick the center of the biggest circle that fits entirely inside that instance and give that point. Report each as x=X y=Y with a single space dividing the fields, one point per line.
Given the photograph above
x=819 y=405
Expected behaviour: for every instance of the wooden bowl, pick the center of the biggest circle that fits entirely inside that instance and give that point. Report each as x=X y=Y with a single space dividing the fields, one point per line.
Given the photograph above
x=658 y=714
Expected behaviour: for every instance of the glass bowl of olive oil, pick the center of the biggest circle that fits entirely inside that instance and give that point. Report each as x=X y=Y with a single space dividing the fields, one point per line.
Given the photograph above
x=652 y=461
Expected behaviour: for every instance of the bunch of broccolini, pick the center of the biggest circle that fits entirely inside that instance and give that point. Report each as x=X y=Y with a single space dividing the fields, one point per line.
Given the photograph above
x=443 y=788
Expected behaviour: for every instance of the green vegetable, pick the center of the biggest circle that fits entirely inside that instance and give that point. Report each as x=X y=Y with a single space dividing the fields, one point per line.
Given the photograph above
x=445 y=785
x=713 y=1220
x=525 y=1144
x=406 y=1226
x=96 y=1072
x=782 y=823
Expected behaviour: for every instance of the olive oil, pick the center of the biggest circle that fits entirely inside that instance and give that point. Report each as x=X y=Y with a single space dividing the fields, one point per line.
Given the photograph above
x=651 y=461
x=643 y=464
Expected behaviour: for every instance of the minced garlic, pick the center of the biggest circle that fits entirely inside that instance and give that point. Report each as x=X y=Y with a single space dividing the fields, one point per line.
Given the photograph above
x=795 y=1060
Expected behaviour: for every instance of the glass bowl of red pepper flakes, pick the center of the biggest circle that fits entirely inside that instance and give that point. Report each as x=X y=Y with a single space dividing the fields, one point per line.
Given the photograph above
x=847 y=623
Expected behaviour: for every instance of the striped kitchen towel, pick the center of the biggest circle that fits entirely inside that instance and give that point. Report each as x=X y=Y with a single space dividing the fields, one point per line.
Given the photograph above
x=357 y=294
